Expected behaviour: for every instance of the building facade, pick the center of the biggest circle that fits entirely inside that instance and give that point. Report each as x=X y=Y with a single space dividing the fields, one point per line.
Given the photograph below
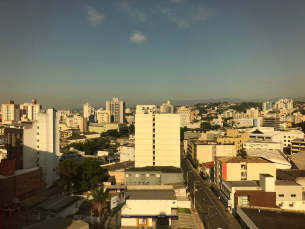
x=117 y=110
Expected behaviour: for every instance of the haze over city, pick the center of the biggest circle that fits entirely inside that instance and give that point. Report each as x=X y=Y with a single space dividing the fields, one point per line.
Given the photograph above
x=67 y=53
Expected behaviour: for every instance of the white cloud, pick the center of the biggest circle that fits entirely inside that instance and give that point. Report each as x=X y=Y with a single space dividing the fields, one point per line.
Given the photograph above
x=137 y=37
x=184 y=17
x=94 y=18
x=133 y=13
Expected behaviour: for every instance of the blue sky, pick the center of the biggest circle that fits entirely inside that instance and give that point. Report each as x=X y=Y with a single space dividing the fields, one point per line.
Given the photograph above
x=66 y=53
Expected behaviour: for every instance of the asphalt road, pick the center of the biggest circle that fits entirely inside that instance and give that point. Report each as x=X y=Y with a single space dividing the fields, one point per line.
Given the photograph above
x=208 y=207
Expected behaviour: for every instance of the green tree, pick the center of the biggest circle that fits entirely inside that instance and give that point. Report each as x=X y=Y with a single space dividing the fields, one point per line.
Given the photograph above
x=68 y=170
x=226 y=124
x=99 y=196
x=111 y=133
x=205 y=125
x=90 y=174
x=131 y=129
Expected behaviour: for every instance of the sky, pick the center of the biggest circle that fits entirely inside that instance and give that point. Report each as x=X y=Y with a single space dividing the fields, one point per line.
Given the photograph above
x=65 y=53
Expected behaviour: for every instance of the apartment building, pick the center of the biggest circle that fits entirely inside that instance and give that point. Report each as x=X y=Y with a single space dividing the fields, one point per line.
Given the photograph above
x=167 y=108
x=117 y=110
x=88 y=112
x=29 y=111
x=235 y=136
x=204 y=151
x=267 y=106
x=77 y=122
x=36 y=144
x=284 y=103
x=157 y=138
x=297 y=145
x=241 y=168
x=102 y=116
x=263 y=145
x=184 y=114
x=272 y=122
x=10 y=112
x=252 y=112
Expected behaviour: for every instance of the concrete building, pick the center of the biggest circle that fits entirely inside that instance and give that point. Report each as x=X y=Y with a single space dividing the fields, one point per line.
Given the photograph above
x=297 y=145
x=36 y=144
x=153 y=175
x=249 y=193
x=10 y=112
x=204 y=151
x=77 y=122
x=167 y=108
x=117 y=110
x=127 y=153
x=238 y=168
x=297 y=160
x=72 y=154
x=103 y=127
x=243 y=122
x=272 y=122
x=88 y=112
x=284 y=103
x=267 y=106
x=157 y=138
x=252 y=112
x=184 y=114
x=295 y=175
x=289 y=195
x=102 y=116
x=162 y=208
x=235 y=136
x=263 y=145
x=29 y=111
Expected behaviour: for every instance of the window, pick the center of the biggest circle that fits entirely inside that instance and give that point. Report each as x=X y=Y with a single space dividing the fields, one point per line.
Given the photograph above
x=290 y=205
x=152 y=175
x=143 y=175
x=293 y=195
x=281 y=195
x=139 y=183
x=158 y=175
x=126 y=175
x=127 y=183
x=147 y=183
x=147 y=175
x=137 y=175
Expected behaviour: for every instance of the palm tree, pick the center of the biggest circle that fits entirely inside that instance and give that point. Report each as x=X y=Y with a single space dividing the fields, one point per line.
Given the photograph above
x=99 y=196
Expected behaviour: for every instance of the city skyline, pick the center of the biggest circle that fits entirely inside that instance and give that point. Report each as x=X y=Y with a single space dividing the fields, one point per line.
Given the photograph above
x=65 y=54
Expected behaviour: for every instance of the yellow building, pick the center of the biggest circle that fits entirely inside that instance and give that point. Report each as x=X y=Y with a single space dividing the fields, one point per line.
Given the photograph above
x=103 y=127
x=236 y=137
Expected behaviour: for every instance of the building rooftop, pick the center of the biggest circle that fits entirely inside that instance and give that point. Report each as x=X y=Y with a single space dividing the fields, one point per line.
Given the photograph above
x=289 y=174
x=57 y=222
x=243 y=183
x=118 y=166
x=298 y=140
x=285 y=183
x=274 y=218
x=298 y=159
x=150 y=195
x=163 y=169
x=270 y=155
x=19 y=172
x=209 y=164
x=239 y=159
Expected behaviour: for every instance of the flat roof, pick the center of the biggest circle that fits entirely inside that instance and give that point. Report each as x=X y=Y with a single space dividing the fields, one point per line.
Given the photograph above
x=163 y=169
x=289 y=174
x=118 y=166
x=298 y=159
x=151 y=195
x=19 y=172
x=243 y=183
x=275 y=218
x=239 y=159
x=285 y=183
x=270 y=155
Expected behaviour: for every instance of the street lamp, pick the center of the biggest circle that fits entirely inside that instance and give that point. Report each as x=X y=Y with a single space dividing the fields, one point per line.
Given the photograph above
x=195 y=182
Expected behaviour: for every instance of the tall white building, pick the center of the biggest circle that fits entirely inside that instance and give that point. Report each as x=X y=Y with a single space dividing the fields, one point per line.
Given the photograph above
x=157 y=138
x=284 y=103
x=184 y=114
x=167 y=108
x=10 y=112
x=252 y=112
x=102 y=116
x=29 y=111
x=88 y=111
x=117 y=110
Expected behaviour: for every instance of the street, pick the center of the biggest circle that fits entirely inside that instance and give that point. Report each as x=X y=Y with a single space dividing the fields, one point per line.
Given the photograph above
x=209 y=208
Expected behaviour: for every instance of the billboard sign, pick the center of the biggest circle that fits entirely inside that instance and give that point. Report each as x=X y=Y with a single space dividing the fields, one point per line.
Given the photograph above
x=117 y=200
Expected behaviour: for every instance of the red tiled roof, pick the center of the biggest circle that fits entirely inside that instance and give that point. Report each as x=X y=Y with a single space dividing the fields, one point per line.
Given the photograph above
x=209 y=164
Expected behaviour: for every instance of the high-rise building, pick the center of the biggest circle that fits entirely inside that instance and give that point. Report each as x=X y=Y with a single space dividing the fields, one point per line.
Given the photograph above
x=167 y=108
x=184 y=114
x=77 y=121
x=10 y=112
x=252 y=112
x=88 y=111
x=157 y=138
x=284 y=103
x=36 y=144
x=29 y=111
x=267 y=106
x=117 y=110
x=102 y=116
